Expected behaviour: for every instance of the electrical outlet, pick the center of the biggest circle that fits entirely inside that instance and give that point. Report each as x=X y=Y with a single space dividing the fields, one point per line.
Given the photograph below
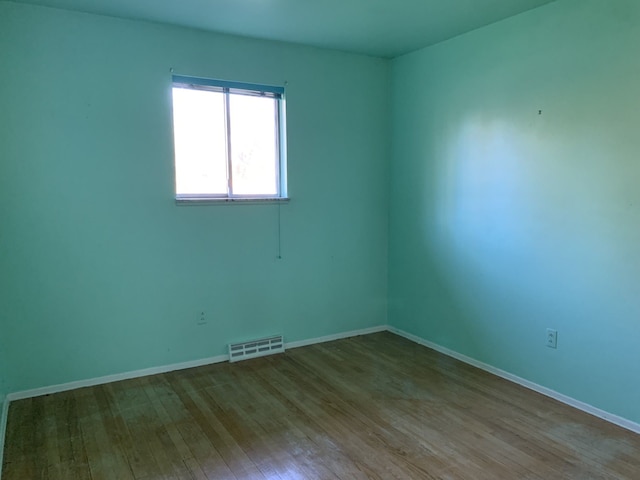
x=552 y=338
x=202 y=319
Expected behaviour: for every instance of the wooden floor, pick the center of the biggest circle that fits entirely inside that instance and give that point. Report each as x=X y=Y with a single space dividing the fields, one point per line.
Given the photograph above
x=376 y=406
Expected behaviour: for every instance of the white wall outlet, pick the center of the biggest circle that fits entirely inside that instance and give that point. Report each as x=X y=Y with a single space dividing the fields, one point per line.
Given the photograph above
x=202 y=319
x=552 y=338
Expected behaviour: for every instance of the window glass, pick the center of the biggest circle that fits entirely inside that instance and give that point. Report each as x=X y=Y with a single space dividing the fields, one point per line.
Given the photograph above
x=228 y=140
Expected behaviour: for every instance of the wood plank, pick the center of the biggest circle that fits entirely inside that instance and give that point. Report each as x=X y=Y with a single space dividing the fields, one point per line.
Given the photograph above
x=370 y=407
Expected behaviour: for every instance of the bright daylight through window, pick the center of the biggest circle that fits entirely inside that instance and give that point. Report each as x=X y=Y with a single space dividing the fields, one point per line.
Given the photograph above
x=229 y=140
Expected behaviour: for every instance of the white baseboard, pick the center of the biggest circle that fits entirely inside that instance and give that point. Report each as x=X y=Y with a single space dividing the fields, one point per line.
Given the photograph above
x=36 y=392
x=90 y=382
x=337 y=336
x=615 y=419
x=585 y=407
x=3 y=429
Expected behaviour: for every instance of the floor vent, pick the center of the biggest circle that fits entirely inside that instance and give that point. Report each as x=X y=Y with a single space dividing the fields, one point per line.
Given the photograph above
x=256 y=348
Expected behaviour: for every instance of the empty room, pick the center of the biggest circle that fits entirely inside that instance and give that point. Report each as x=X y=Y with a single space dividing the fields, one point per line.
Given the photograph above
x=285 y=239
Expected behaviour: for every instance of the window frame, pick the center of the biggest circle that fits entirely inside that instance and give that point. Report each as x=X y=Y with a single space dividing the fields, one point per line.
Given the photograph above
x=228 y=88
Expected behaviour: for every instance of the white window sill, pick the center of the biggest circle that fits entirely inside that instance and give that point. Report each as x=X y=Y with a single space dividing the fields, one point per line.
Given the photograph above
x=227 y=201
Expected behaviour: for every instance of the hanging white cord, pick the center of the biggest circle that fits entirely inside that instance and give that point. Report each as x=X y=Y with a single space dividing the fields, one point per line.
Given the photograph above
x=279 y=234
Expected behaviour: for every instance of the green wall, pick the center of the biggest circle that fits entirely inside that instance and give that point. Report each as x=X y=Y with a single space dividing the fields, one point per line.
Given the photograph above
x=514 y=202
x=4 y=364
x=515 y=199
x=102 y=273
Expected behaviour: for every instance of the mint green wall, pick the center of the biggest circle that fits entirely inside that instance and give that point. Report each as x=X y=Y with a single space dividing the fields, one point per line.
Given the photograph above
x=504 y=221
x=4 y=366
x=3 y=384
x=102 y=273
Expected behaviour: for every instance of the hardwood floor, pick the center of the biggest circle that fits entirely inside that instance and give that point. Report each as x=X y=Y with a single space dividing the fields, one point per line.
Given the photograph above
x=376 y=406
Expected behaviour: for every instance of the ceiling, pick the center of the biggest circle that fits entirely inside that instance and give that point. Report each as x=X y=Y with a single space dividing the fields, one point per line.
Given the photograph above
x=383 y=28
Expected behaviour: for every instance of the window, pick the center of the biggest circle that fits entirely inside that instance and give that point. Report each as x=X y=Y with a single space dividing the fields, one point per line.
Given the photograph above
x=228 y=139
